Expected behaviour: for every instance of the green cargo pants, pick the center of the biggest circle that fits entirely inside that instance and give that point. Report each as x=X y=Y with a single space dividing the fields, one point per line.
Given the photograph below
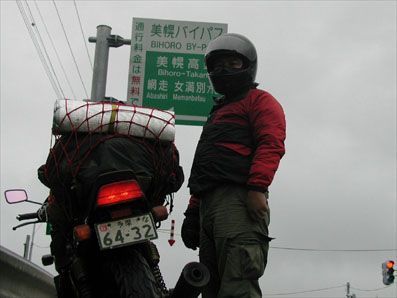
x=233 y=246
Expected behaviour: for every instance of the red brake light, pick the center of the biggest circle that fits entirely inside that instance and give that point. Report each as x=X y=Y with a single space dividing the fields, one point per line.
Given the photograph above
x=119 y=192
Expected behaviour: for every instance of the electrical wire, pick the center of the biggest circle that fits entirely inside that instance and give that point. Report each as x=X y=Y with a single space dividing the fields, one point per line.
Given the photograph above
x=37 y=46
x=41 y=246
x=55 y=50
x=332 y=250
x=322 y=289
x=35 y=26
x=302 y=292
x=82 y=32
x=70 y=48
x=307 y=249
x=372 y=290
x=167 y=231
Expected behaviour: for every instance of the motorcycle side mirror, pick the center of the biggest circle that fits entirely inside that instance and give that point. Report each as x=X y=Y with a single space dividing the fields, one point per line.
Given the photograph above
x=15 y=196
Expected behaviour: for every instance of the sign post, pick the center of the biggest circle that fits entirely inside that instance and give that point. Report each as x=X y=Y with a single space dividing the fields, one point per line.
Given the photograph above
x=167 y=69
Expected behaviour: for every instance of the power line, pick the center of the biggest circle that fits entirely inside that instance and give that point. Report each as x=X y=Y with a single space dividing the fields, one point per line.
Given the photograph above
x=37 y=46
x=55 y=50
x=34 y=25
x=321 y=289
x=372 y=290
x=332 y=250
x=82 y=32
x=70 y=48
x=308 y=249
x=302 y=292
x=41 y=246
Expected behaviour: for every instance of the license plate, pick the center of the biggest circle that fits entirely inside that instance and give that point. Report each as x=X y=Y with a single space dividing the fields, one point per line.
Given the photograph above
x=126 y=231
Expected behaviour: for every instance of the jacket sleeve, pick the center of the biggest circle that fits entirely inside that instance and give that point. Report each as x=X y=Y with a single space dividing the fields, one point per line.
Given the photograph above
x=269 y=131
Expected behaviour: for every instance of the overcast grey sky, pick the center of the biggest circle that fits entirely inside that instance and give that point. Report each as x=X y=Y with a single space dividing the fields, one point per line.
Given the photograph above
x=331 y=64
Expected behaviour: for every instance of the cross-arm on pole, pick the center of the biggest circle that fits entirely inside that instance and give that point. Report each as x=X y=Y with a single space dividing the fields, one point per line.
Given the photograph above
x=103 y=42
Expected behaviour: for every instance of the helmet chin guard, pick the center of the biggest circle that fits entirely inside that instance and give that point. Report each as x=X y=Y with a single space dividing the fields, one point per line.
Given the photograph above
x=237 y=80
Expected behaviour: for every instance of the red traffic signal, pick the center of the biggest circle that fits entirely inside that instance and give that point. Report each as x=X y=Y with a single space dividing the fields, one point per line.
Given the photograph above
x=388 y=272
x=390 y=264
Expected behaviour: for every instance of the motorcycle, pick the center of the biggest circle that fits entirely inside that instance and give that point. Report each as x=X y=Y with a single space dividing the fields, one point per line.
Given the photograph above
x=112 y=172
x=108 y=196
x=110 y=252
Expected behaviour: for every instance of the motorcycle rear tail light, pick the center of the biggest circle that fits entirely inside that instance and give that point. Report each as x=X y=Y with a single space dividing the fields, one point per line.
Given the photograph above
x=119 y=192
x=82 y=232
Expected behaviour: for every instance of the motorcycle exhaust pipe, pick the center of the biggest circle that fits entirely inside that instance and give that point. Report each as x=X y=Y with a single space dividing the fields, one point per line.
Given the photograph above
x=194 y=277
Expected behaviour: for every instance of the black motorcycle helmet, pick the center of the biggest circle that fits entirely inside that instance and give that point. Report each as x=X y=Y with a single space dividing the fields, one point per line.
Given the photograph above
x=236 y=80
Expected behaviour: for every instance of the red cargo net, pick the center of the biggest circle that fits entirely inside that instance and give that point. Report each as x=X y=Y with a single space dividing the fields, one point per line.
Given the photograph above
x=79 y=127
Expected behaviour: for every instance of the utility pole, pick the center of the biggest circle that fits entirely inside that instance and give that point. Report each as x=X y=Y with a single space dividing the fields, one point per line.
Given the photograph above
x=31 y=243
x=104 y=40
x=26 y=248
x=348 y=291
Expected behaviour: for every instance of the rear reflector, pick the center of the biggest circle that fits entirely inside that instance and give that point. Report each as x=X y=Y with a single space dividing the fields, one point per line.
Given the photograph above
x=119 y=192
x=120 y=213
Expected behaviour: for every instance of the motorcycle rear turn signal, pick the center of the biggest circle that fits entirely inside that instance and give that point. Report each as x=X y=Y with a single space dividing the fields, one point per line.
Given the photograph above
x=160 y=213
x=119 y=192
x=82 y=232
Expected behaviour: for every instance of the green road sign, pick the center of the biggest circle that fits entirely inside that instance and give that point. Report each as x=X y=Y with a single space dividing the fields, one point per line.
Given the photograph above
x=48 y=229
x=167 y=69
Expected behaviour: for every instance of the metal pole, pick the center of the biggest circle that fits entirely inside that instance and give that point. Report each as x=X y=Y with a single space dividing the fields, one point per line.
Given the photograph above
x=99 y=76
x=31 y=243
x=348 y=290
x=26 y=249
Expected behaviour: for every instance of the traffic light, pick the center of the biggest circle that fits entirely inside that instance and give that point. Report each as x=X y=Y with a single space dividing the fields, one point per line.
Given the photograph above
x=388 y=272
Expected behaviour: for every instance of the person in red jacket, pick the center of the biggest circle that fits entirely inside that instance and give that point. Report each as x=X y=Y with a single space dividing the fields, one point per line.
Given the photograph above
x=236 y=158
